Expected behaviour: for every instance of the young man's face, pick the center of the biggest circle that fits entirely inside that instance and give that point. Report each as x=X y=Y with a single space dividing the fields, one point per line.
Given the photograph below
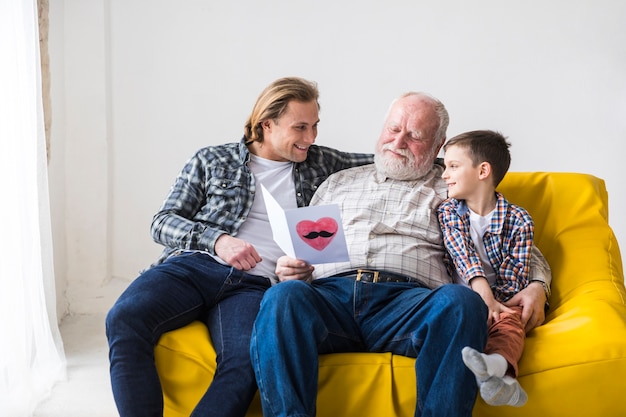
x=461 y=176
x=288 y=138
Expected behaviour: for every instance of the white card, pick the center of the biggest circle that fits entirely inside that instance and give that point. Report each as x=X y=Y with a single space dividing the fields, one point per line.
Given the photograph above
x=313 y=234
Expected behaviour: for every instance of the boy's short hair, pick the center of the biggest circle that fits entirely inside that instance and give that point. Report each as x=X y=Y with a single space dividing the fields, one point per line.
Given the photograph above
x=485 y=146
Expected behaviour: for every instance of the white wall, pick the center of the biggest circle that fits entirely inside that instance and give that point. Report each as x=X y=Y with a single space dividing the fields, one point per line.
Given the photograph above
x=146 y=83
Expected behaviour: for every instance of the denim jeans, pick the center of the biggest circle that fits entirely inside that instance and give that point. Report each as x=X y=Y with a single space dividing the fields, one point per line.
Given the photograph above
x=188 y=287
x=298 y=321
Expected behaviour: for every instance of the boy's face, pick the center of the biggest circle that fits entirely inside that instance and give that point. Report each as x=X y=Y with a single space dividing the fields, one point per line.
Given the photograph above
x=462 y=177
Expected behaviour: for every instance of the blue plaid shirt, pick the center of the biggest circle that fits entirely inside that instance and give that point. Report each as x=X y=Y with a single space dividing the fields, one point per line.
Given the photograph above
x=508 y=243
x=214 y=192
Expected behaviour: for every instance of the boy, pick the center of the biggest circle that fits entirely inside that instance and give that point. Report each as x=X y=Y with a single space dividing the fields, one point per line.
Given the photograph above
x=488 y=241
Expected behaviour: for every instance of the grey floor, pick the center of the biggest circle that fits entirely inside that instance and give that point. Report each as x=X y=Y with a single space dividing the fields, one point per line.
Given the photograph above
x=87 y=390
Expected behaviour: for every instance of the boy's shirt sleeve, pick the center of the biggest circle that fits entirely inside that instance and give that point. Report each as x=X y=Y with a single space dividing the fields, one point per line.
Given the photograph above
x=457 y=240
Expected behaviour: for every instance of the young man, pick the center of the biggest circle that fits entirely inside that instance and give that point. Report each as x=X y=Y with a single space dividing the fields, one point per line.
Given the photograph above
x=218 y=260
x=392 y=294
x=488 y=242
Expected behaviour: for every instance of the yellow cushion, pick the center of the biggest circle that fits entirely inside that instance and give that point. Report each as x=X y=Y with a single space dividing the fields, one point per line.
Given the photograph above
x=573 y=365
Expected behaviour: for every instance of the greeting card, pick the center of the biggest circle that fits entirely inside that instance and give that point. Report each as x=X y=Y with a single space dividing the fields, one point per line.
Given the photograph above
x=313 y=234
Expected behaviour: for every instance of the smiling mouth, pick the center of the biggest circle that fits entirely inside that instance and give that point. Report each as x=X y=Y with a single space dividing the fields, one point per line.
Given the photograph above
x=302 y=148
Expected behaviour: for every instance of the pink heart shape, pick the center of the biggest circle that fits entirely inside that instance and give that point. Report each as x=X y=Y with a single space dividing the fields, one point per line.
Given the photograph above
x=317 y=234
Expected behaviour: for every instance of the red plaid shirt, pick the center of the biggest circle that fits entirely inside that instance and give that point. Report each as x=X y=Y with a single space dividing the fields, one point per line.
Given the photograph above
x=508 y=242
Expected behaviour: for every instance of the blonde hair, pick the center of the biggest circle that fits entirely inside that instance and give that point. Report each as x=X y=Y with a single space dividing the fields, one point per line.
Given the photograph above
x=273 y=101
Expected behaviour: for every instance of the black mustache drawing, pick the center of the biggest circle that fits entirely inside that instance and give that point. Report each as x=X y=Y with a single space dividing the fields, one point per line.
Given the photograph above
x=314 y=235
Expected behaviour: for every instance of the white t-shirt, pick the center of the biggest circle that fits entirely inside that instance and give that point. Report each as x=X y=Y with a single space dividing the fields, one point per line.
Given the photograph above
x=277 y=178
x=478 y=226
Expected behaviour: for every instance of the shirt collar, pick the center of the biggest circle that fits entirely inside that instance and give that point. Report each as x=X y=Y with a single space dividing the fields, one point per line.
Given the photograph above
x=244 y=153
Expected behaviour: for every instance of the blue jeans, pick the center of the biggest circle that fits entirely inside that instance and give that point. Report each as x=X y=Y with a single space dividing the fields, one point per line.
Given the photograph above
x=298 y=321
x=182 y=289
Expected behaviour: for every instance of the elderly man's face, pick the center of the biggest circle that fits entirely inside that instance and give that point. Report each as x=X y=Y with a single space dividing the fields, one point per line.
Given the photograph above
x=406 y=149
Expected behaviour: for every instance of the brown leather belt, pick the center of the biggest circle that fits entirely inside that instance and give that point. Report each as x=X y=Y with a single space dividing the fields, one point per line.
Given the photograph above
x=372 y=275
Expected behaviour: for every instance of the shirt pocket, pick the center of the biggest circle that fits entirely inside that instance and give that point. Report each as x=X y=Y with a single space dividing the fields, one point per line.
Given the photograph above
x=224 y=196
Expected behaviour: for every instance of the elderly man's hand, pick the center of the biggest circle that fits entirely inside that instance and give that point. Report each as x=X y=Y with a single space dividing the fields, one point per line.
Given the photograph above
x=288 y=268
x=532 y=299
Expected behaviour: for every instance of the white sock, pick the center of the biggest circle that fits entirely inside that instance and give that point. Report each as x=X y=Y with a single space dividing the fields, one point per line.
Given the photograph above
x=503 y=391
x=484 y=366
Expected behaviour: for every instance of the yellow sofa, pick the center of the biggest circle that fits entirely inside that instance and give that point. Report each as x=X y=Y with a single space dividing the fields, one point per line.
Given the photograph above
x=573 y=365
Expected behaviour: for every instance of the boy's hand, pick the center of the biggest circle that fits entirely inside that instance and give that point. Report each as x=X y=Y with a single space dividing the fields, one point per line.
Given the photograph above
x=482 y=287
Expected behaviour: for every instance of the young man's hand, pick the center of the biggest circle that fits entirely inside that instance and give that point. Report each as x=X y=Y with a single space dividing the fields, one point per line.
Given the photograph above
x=237 y=253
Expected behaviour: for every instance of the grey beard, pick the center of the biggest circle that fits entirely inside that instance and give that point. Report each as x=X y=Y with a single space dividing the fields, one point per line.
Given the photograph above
x=397 y=170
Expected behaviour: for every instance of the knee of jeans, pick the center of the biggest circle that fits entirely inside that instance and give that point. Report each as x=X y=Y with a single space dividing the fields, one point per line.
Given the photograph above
x=288 y=290
x=111 y=321
x=118 y=318
x=467 y=302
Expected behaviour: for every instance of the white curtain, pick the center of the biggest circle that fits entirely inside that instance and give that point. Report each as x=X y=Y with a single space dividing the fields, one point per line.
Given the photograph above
x=31 y=351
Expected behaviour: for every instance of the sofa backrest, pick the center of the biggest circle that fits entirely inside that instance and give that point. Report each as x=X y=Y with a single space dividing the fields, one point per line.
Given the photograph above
x=570 y=211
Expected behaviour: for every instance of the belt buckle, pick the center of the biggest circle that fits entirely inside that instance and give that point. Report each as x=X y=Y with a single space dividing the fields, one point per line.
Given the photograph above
x=363 y=271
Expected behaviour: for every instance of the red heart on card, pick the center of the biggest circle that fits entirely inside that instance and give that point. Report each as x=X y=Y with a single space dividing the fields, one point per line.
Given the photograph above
x=317 y=234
